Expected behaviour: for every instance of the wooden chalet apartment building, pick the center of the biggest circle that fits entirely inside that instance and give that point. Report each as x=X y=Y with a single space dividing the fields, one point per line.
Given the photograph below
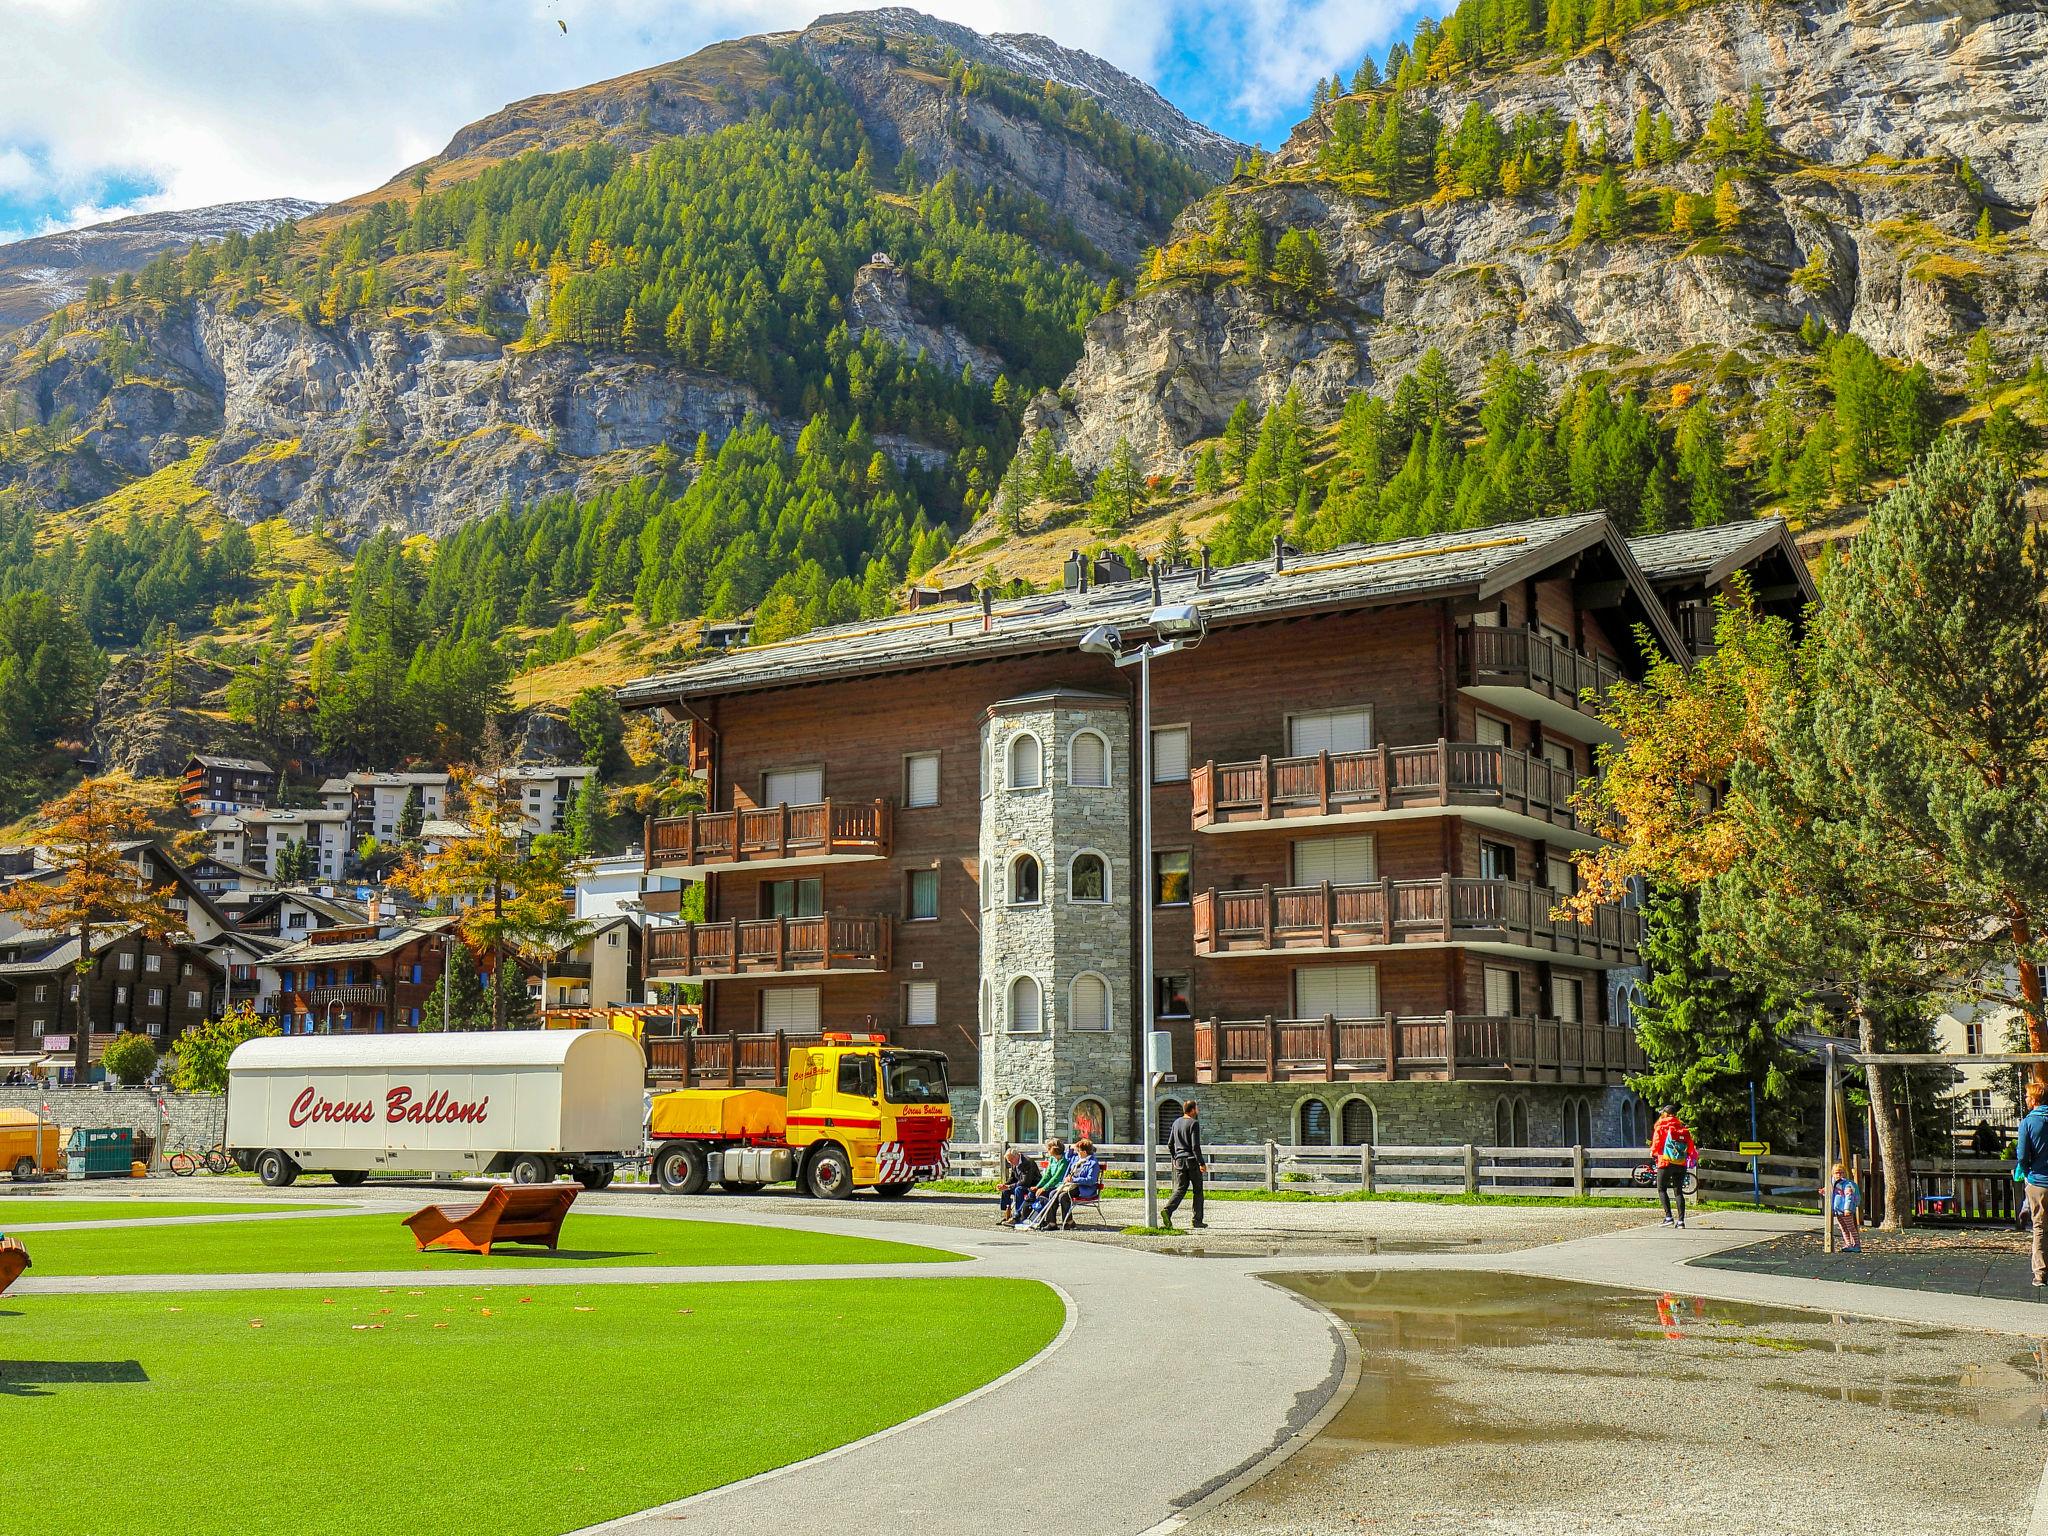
x=1361 y=822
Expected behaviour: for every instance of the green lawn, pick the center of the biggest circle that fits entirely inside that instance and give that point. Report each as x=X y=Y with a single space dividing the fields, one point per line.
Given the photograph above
x=452 y=1410
x=336 y=1244
x=20 y=1210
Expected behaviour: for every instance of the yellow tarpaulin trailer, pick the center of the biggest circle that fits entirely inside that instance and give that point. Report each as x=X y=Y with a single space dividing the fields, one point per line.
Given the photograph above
x=29 y=1145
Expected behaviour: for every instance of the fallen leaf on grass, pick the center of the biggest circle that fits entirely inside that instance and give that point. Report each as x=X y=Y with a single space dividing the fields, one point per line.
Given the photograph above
x=255 y=1323
x=586 y=1309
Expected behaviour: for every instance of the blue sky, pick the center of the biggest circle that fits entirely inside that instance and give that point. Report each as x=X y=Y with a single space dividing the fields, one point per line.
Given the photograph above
x=122 y=106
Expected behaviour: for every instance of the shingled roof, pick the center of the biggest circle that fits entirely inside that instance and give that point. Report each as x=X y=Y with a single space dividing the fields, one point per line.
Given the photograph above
x=1480 y=564
x=1709 y=556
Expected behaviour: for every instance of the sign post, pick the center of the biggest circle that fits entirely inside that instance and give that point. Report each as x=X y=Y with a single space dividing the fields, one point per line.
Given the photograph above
x=1756 y=1187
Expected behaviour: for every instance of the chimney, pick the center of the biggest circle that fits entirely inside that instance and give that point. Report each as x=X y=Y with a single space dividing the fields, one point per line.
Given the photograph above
x=376 y=908
x=1202 y=575
x=1279 y=553
x=988 y=610
x=1154 y=567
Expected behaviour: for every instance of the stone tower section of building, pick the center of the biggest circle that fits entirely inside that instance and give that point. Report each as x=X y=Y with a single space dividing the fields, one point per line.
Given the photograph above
x=1057 y=994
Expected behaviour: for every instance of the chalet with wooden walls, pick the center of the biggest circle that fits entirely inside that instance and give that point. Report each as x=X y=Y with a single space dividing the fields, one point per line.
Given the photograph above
x=136 y=985
x=1360 y=824
x=371 y=978
x=221 y=786
x=1692 y=567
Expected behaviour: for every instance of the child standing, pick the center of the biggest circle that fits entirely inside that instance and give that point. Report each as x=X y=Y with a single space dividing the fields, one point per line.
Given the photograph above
x=1845 y=1197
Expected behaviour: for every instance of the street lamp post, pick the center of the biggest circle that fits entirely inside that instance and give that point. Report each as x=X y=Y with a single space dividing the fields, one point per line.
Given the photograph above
x=1175 y=627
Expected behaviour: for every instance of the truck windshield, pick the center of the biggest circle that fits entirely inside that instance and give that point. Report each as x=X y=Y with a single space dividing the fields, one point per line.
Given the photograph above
x=914 y=1077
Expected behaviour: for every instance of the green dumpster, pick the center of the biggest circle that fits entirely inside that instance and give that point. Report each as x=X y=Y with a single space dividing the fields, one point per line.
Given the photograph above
x=100 y=1154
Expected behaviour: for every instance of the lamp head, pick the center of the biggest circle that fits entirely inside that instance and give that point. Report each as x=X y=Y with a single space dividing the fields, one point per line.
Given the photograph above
x=1103 y=640
x=1179 y=621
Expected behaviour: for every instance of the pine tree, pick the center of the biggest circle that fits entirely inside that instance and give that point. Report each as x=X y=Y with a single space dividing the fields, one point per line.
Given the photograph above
x=412 y=816
x=1208 y=472
x=1978 y=360
x=1237 y=439
x=1727 y=204
x=1118 y=488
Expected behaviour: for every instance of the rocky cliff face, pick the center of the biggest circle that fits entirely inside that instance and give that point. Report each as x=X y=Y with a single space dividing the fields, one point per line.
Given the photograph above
x=1876 y=104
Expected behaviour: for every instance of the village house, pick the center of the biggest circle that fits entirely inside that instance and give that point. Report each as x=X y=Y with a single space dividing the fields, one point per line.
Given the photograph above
x=136 y=984
x=1361 y=820
x=219 y=786
x=544 y=792
x=256 y=838
x=374 y=803
x=601 y=970
x=366 y=978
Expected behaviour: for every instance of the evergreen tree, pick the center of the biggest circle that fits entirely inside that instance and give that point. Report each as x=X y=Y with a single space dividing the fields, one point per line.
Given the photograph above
x=412 y=815
x=1118 y=489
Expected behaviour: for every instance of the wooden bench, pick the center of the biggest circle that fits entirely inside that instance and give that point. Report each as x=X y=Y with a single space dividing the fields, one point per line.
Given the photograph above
x=13 y=1260
x=510 y=1213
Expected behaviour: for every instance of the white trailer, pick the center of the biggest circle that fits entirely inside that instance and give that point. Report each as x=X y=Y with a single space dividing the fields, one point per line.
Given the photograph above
x=530 y=1103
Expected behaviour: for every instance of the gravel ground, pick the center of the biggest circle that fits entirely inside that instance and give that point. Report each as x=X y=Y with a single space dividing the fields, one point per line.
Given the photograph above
x=1991 y=1262
x=1495 y=1405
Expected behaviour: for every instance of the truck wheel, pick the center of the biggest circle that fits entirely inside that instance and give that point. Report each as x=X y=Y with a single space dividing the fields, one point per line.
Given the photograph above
x=595 y=1175
x=680 y=1169
x=530 y=1168
x=894 y=1191
x=829 y=1174
x=741 y=1186
x=349 y=1178
x=275 y=1169
x=24 y=1169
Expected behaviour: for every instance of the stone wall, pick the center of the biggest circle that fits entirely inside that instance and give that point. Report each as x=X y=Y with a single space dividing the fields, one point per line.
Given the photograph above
x=192 y=1120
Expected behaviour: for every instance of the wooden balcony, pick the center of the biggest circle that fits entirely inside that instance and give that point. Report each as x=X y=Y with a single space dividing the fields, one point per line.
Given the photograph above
x=769 y=946
x=1503 y=916
x=1490 y=785
x=360 y=994
x=1436 y=1047
x=828 y=832
x=725 y=1061
x=1534 y=675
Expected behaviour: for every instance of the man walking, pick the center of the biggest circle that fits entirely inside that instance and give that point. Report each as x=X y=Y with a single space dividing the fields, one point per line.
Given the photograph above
x=1184 y=1146
x=2031 y=1164
x=1671 y=1149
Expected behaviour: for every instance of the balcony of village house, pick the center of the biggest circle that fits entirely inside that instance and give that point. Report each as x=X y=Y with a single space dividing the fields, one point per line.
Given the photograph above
x=1537 y=676
x=769 y=947
x=355 y=994
x=725 y=1061
x=1435 y=1047
x=1504 y=917
x=1500 y=787
x=771 y=836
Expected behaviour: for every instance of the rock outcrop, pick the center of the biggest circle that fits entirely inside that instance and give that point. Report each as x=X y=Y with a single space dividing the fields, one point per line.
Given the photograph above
x=138 y=731
x=1876 y=104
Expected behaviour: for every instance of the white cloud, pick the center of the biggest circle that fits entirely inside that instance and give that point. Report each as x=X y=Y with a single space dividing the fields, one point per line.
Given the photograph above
x=232 y=99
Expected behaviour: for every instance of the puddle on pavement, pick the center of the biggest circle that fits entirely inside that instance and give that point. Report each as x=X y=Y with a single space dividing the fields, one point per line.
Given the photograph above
x=1507 y=1404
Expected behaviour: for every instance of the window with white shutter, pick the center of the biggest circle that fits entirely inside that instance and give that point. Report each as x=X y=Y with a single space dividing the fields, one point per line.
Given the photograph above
x=1339 y=860
x=1329 y=730
x=793 y=1010
x=921 y=779
x=793 y=786
x=1088 y=760
x=1558 y=874
x=1564 y=998
x=1170 y=754
x=1024 y=1006
x=1559 y=755
x=1090 y=1009
x=1026 y=762
x=1341 y=991
x=1489 y=731
x=921 y=1005
x=1503 y=992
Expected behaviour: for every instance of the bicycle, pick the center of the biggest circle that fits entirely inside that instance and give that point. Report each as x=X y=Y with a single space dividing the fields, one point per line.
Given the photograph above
x=215 y=1159
x=1644 y=1176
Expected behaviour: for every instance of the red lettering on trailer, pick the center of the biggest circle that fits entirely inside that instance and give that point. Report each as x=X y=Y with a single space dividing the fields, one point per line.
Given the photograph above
x=401 y=1107
x=310 y=1108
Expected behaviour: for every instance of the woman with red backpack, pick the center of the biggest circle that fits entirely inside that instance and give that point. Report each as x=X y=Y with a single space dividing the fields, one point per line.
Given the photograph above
x=1673 y=1150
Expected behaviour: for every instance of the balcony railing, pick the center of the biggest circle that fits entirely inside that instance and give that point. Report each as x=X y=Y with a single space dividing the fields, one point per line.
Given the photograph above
x=728 y=1060
x=1493 y=657
x=774 y=834
x=1442 y=775
x=361 y=994
x=1445 y=910
x=1434 y=1046
x=770 y=946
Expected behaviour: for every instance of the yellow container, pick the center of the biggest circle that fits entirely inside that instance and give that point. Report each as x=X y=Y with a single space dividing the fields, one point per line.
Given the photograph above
x=138 y=1170
x=18 y=1142
x=729 y=1113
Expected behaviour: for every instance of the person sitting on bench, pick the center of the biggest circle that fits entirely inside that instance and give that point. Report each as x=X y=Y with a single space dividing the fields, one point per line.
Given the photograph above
x=1020 y=1175
x=1083 y=1182
x=1048 y=1185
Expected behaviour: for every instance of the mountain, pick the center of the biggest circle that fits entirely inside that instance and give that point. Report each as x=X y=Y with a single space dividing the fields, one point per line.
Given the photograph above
x=836 y=220
x=49 y=271
x=1697 y=202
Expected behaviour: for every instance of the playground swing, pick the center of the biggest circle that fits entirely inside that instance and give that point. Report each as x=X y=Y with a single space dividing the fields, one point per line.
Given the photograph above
x=1937 y=1202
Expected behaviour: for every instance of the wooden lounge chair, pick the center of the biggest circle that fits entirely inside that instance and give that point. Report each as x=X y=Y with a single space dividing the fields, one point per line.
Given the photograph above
x=13 y=1261
x=510 y=1213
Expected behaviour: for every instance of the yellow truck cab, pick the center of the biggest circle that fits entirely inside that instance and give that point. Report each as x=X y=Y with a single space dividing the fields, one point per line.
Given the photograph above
x=857 y=1115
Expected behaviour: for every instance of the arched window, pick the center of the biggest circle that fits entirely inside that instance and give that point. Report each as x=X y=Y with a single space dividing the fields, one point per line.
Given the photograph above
x=1314 y=1117
x=1088 y=878
x=985 y=1009
x=1088 y=1002
x=1025 y=881
x=1503 y=1123
x=1088 y=760
x=1582 y=1124
x=1091 y=1120
x=1024 y=1123
x=1356 y=1126
x=1521 y=1123
x=1025 y=1016
x=1168 y=1111
x=1025 y=762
